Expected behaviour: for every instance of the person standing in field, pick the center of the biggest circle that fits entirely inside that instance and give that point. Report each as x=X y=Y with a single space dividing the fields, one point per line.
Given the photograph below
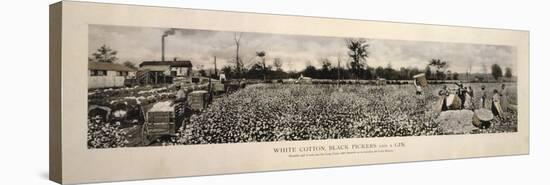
x=418 y=87
x=503 y=97
x=461 y=92
x=483 y=96
x=469 y=104
x=443 y=93
x=495 y=105
x=179 y=108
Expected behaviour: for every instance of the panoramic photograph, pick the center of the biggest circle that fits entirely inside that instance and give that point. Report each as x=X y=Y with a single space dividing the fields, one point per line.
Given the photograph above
x=170 y=86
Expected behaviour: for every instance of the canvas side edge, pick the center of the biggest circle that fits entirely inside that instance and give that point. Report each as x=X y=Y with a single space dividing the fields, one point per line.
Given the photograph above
x=55 y=56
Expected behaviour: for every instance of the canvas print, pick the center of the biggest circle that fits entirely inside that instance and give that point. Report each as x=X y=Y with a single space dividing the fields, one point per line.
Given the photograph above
x=170 y=86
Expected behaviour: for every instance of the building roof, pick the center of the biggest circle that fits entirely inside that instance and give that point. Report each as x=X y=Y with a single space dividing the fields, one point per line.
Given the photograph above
x=179 y=63
x=108 y=66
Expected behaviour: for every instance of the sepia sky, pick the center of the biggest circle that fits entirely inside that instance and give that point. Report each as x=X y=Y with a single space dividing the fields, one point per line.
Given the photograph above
x=136 y=44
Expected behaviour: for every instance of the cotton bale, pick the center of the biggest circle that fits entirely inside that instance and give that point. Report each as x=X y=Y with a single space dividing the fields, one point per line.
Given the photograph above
x=453 y=102
x=421 y=78
x=482 y=118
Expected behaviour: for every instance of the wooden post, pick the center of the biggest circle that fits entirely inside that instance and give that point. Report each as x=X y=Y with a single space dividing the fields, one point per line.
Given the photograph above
x=215 y=68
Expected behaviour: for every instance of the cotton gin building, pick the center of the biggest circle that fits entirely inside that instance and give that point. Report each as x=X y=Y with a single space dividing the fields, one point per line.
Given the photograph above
x=158 y=71
x=108 y=75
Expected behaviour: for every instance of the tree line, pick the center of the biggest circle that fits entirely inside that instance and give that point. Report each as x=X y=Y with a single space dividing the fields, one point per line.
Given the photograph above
x=355 y=67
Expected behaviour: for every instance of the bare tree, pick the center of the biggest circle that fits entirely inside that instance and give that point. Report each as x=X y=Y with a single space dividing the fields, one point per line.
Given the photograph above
x=278 y=64
x=484 y=68
x=238 y=61
x=262 y=54
x=469 y=70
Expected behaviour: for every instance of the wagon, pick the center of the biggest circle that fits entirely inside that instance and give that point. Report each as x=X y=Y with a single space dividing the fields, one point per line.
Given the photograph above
x=159 y=121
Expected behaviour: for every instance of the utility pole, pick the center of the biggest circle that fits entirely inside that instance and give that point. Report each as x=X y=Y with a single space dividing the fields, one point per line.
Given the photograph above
x=162 y=42
x=338 y=71
x=215 y=68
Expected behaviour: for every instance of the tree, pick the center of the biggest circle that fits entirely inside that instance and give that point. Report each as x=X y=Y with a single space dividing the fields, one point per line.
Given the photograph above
x=455 y=76
x=414 y=71
x=403 y=73
x=310 y=71
x=201 y=70
x=390 y=73
x=238 y=60
x=227 y=71
x=496 y=71
x=508 y=73
x=278 y=64
x=428 y=72
x=380 y=72
x=255 y=71
x=369 y=73
x=325 y=69
x=129 y=64
x=358 y=54
x=104 y=54
x=440 y=67
x=449 y=73
x=469 y=71
x=262 y=54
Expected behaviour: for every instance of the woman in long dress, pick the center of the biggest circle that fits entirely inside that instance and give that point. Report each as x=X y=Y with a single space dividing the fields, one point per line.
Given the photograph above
x=468 y=99
x=442 y=103
x=483 y=100
x=504 y=98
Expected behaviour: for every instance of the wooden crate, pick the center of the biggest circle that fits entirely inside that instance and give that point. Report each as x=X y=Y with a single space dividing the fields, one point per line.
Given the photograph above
x=197 y=100
x=160 y=128
x=218 y=87
x=160 y=117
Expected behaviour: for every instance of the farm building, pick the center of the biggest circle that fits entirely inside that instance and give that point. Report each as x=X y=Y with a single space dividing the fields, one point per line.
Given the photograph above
x=105 y=75
x=159 y=71
x=169 y=68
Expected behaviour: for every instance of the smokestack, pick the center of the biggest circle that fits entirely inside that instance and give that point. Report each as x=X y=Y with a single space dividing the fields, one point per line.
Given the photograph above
x=166 y=33
x=215 y=67
x=162 y=42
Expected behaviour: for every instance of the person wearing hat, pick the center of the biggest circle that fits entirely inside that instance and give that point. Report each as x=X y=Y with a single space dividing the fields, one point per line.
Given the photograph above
x=443 y=93
x=469 y=103
x=179 y=108
x=483 y=96
x=461 y=92
x=496 y=107
x=418 y=87
x=504 y=103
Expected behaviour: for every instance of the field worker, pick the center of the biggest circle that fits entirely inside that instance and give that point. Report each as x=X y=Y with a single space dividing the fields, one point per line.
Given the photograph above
x=461 y=92
x=495 y=105
x=468 y=102
x=483 y=96
x=443 y=93
x=179 y=108
x=418 y=87
x=503 y=97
